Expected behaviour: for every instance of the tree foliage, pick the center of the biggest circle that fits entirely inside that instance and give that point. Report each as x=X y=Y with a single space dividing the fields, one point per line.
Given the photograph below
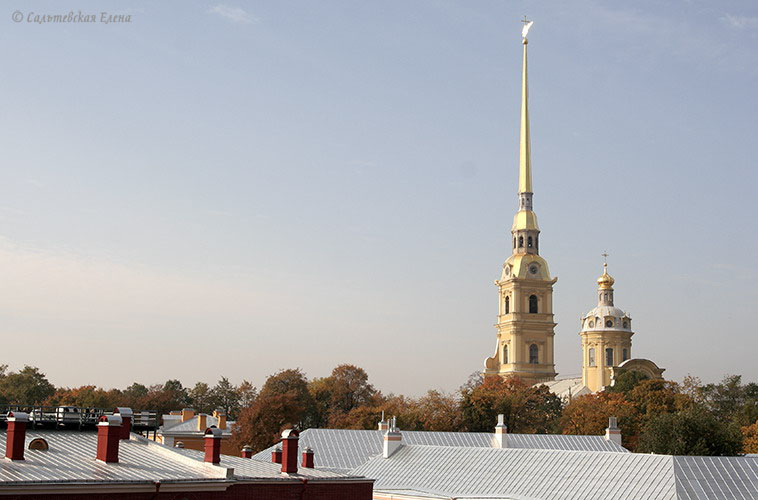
x=689 y=432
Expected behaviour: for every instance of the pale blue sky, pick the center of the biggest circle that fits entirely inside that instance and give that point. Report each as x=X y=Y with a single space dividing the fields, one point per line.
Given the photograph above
x=234 y=188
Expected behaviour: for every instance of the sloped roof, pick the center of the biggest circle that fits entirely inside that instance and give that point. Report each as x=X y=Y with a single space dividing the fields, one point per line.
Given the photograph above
x=190 y=427
x=245 y=468
x=552 y=474
x=346 y=449
x=71 y=458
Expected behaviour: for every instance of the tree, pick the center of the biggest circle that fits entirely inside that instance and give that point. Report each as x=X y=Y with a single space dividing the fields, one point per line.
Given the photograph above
x=438 y=411
x=689 y=432
x=730 y=400
x=627 y=380
x=27 y=386
x=335 y=396
x=750 y=438
x=526 y=408
x=201 y=398
x=247 y=394
x=86 y=396
x=588 y=415
x=225 y=396
x=284 y=402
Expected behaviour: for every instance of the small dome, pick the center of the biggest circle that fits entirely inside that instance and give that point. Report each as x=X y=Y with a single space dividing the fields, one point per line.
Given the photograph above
x=605 y=281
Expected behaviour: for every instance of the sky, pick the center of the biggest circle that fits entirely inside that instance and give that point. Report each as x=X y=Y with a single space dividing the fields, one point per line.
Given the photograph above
x=230 y=189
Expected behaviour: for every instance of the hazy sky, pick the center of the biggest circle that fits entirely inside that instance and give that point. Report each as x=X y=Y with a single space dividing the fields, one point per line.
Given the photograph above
x=236 y=188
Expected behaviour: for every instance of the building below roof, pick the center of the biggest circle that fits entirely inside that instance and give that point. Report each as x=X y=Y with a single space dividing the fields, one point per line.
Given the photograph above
x=188 y=428
x=53 y=463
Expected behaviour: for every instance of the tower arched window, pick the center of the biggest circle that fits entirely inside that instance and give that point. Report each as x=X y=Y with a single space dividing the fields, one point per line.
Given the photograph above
x=591 y=356
x=537 y=243
x=534 y=354
x=514 y=242
x=507 y=305
x=532 y=304
x=529 y=242
x=505 y=354
x=609 y=356
x=624 y=354
x=520 y=241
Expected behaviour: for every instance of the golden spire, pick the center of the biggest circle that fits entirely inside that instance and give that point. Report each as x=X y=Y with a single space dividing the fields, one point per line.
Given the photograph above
x=606 y=281
x=525 y=157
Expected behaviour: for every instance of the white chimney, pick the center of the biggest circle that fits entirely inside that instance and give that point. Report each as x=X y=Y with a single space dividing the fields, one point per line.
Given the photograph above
x=393 y=440
x=613 y=433
x=501 y=432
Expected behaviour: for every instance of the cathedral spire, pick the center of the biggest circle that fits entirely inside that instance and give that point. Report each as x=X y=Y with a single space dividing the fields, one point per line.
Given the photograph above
x=525 y=156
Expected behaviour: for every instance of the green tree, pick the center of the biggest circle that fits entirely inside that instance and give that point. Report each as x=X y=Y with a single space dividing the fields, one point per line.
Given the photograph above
x=27 y=386
x=201 y=398
x=730 y=400
x=627 y=380
x=247 y=394
x=689 y=432
x=588 y=415
x=344 y=390
x=225 y=396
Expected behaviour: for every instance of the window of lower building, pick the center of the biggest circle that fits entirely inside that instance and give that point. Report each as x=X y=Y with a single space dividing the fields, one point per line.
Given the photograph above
x=591 y=356
x=609 y=356
x=624 y=354
x=507 y=305
x=505 y=354
x=532 y=303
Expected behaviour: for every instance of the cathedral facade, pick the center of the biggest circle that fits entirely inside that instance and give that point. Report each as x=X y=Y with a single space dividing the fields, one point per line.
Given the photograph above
x=525 y=324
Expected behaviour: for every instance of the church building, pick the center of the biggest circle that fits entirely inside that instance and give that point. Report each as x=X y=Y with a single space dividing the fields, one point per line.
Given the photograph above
x=525 y=323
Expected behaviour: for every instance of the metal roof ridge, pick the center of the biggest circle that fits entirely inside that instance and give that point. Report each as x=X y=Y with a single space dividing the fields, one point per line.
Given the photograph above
x=216 y=471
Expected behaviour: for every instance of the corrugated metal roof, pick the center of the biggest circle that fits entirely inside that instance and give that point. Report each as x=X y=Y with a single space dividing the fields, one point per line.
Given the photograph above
x=247 y=468
x=345 y=449
x=551 y=474
x=71 y=458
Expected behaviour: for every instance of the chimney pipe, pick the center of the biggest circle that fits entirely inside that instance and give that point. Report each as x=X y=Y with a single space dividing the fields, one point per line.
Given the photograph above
x=202 y=421
x=126 y=421
x=289 y=451
x=307 y=458
x=187 y=414
x=393 y=439
x=383 y=424
x=212 y=440
x=276 y=455
x=247 y=452
x=108 y=436
x=501 y=432
x=16 y=435
x=221 y=416
x=613 y=433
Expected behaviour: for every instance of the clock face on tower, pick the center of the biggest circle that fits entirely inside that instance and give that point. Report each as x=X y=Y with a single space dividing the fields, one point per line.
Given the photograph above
x=533 y=269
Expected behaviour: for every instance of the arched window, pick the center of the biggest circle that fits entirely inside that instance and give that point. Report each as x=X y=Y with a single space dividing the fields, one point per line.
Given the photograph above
x=591 y=355
x=520 y=241
x=609 y=356
x=534 y=354
x=624 y=354
x=514 y=242
x=507 y=304
x=529 y=242
x=537 y=243
x=505 y=354
x=532 y=303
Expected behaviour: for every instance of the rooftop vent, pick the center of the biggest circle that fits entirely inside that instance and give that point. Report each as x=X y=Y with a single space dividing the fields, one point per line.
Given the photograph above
x=38 y=444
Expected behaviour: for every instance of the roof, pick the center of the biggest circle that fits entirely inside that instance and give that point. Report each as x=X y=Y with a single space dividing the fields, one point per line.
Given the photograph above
x=71 y=458
x=346 y=449
x=445 y=472
x=245 y=468
x=190 y=427
x=567 y=388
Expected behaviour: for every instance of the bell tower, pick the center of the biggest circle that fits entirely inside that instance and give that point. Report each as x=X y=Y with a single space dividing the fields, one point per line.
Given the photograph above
x=525 y=325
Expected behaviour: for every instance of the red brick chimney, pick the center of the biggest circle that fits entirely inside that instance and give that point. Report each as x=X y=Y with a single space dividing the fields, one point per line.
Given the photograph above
x=108 y=435
x=212 y=439
x=247 y=452
x=276 y=455
x=126 y=419
x=289 y=451
x=307 y=458
x=16 y=435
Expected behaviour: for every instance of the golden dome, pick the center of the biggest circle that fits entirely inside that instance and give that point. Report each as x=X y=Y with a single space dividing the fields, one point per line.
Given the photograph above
x=606 y=280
